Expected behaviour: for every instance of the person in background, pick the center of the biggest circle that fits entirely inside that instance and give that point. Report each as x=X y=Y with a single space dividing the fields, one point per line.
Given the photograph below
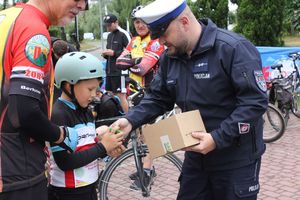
x=141 y=58
x=59 y=48
x=26 y=84
x=219 y=73
x=116 y=42
x=74 y=172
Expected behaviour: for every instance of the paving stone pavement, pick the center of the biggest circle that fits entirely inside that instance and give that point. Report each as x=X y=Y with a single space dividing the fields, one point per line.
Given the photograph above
x=280 y=170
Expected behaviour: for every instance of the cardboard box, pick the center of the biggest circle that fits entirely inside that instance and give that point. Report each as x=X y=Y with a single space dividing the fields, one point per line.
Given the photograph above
x=173 y=133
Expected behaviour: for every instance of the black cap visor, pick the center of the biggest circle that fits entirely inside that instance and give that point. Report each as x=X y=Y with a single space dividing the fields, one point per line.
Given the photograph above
x=158 y=31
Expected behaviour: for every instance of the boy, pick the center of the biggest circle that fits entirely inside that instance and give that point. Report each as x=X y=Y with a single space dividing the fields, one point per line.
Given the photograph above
x=74 y=172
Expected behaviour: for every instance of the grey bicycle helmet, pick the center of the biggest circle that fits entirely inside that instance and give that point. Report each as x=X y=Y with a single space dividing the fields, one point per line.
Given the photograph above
x=75 y=66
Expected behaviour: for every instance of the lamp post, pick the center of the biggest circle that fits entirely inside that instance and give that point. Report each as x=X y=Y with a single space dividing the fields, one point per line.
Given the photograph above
x=101 y=24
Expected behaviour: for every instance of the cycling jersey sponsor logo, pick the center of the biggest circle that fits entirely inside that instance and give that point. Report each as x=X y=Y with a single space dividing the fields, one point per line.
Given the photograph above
x=37 y=50
x=23 y=87
x=2 y=17
x=260 y=80
x=28 y=72
x=244 y=128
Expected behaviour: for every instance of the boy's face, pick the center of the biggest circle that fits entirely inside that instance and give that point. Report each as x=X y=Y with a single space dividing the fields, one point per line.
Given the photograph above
x=85 y=91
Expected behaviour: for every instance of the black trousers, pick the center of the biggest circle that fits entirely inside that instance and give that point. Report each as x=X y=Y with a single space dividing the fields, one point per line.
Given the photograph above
x=233 y=184
x=36 y=192
x=81 y=193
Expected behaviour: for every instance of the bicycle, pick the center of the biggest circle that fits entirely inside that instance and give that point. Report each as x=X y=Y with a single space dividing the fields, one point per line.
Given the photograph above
x=114 y=180
x=296 y=84
x=274 y=124
x=283 y=92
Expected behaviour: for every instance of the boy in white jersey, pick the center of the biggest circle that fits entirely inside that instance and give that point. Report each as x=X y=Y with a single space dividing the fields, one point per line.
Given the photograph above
x=74 y=172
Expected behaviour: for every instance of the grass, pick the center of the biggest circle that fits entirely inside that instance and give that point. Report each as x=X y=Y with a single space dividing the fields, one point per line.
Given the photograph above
x=292 y=41
x=89 y=44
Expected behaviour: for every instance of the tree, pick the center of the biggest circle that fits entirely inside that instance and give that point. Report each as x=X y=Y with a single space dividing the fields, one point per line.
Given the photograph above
x=216 y=10
x=292 y=16
x=123 y=9
x=261 y=21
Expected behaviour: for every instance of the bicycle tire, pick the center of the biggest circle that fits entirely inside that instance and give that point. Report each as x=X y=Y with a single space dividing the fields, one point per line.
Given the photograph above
x=274 y=124
x=114 y=182
x=296 y=105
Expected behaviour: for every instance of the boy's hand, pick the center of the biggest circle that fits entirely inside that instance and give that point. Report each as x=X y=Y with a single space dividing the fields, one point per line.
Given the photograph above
x=112 y=139
x=117 y=151
x=101 y=131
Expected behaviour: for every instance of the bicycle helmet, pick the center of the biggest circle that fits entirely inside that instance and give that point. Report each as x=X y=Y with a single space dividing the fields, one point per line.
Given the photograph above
x=75 y=66
x=135 y=10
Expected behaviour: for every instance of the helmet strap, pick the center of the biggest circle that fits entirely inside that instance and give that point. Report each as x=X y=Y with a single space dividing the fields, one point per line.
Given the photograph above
x=71 y=95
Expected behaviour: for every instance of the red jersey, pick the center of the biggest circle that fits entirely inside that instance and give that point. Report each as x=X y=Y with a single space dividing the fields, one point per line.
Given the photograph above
x=25 y=69
x=147 y=49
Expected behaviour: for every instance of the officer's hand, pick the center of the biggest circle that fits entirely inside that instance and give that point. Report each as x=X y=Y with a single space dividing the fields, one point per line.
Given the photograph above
x=124 y=125
x=206 y=143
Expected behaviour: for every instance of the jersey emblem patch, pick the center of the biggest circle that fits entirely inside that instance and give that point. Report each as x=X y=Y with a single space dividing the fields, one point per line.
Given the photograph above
x=37 y=50
x=244 y=128
x=155 y=46
x=260 y=80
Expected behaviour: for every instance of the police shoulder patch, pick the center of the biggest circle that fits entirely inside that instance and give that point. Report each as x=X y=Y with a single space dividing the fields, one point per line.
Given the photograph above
x=37 y=49
x=260 y=80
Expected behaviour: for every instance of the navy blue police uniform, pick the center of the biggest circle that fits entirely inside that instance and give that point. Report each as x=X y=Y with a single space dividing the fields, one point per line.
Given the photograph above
x=223 y=79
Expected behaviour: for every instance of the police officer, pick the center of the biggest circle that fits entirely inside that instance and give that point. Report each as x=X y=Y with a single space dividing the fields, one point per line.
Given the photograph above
x=220 y=74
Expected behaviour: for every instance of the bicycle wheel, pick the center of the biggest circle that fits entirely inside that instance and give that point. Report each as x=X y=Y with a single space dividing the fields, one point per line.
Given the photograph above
x=114 y=183
x=296 y=105
x=274 y=124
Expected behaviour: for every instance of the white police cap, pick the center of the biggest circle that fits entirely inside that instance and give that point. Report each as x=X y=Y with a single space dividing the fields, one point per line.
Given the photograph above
x=159 y=14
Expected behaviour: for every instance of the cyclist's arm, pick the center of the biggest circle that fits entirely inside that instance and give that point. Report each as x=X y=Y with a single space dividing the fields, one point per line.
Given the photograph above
x=150 y=59
x=67 y=161
x=25 y=114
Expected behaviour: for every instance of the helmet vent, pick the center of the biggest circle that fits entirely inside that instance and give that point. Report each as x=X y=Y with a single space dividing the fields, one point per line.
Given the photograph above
x=72 y=54
x=93 y=71
x=82 y=57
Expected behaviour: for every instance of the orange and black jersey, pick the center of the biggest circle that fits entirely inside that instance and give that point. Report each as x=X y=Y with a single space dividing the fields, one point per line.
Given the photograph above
x=26 y=81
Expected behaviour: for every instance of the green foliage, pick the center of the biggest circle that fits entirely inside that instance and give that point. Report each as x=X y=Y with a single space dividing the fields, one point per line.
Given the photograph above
x=216 y=10
x=89 y=21
x=261 y=21
x=122 y=9
x=292 y=16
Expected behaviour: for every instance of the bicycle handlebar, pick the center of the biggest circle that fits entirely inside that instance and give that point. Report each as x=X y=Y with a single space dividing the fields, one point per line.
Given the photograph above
x=294 y=55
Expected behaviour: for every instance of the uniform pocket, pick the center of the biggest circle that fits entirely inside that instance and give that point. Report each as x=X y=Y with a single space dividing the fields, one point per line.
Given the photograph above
x=246 y=189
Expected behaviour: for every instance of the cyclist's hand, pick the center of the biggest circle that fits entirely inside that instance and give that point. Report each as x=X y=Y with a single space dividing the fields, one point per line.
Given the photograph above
x=206 y=143
x=124 y=125
x=70 y=140
x=112 y=139
x=117 y=151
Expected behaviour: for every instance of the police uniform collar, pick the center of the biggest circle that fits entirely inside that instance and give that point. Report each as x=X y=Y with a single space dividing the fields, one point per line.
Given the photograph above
x=207 y=38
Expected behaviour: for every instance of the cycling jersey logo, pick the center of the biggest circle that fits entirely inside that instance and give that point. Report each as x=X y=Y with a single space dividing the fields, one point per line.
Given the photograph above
x=2 y=17
x=37 y=50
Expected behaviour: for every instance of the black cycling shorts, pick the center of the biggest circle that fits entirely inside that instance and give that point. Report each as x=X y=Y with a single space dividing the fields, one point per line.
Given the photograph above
x=115 y=84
